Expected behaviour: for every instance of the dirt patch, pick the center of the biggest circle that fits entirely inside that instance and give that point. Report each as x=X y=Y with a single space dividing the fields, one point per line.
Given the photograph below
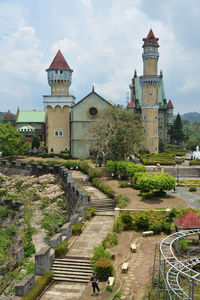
x=136 y=201
x=140 y=269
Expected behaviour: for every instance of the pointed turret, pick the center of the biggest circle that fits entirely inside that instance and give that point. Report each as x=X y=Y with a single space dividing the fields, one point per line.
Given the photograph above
x=59 y=75
x=150 y=39
x=8 y=116
x=169 y=104
x=59 y=62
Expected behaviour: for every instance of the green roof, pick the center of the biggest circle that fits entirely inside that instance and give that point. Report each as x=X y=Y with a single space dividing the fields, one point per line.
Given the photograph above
x=33 y=116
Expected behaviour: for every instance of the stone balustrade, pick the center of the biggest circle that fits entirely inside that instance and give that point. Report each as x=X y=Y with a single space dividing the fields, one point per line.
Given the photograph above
x=55 y=240
x=42 y=261
x=22 y=288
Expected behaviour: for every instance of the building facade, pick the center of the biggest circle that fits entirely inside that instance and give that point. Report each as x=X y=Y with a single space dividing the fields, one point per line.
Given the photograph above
x=148 y=97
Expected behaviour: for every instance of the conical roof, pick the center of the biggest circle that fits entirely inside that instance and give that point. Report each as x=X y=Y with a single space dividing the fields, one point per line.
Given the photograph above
x=169 y=104
x=59 y=62
x=187 y=221
x=150 y=39
x=131 y=104
x=8 y=116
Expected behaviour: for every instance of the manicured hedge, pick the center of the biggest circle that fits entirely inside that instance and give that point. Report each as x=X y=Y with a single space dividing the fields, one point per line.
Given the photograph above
x=158 y=182
x=195 y=161
x=103 y=187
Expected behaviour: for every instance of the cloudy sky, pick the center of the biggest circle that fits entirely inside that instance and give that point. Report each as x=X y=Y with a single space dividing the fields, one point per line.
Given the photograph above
x=102 y=42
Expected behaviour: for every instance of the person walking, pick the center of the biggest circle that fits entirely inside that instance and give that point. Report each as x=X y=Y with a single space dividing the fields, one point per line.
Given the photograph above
x=94 y=281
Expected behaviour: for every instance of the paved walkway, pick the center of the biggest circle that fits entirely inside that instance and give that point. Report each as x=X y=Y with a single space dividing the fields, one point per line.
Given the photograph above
x=192 y=198
x=92 y=235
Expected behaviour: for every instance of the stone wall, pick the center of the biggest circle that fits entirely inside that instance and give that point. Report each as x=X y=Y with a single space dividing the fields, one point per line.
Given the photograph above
x=76 y=200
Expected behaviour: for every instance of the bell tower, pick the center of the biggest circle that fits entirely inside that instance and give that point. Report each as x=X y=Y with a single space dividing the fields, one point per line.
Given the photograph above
x=150 y=82
x=58 y=105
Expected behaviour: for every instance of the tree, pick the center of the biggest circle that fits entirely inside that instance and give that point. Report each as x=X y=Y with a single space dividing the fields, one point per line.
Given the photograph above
x=176 y=131
x=11 y=141
x=117 y=133
x=155 y=182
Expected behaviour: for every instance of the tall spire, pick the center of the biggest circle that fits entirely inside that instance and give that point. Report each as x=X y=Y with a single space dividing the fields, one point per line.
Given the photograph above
x=150 y=39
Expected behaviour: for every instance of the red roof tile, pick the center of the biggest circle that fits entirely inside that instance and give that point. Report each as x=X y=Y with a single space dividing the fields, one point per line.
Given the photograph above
x=150 y=39
x=131 y=104
x=8 y=116
x=169 y=104
x=59 y=62
x=187 y=221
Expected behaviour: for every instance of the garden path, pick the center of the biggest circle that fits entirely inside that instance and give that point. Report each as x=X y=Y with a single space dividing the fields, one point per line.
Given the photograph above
x=39 y=236
x=92 y=235
x=191 y=198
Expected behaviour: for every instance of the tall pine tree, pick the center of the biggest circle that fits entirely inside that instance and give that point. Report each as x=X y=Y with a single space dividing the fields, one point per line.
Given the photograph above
x=176 y=131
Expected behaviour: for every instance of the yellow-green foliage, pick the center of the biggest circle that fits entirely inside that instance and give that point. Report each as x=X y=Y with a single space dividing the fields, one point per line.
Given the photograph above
x=189 y=182
x=40 y=284
x=159 y=182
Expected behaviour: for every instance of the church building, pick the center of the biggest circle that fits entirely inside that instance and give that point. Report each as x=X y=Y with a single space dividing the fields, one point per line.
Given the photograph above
x=68 y=123
x=148 y=97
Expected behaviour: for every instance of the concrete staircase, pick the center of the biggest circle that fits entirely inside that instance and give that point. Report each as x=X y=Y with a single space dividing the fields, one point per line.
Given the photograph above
x=104 y=204
x=72 y=269
x=185 y=172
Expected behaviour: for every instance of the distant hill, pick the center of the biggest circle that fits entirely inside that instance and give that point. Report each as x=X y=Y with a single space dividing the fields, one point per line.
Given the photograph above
x=191 y=116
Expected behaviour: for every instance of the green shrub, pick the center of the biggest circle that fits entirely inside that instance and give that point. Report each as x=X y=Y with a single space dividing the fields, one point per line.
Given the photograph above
x=40 y=284
x=87 y=217
x=103 y=187
x=91 y=210
x=127 y=220
x=141 y=221
x=193 y=189
x=29 y=249
x=94 y=173
x=109 y=288
x=99 y=252
x=157 y=228
x=103 y=268
x=110 y=240
x=122 y=200
x=158 y=181
x=77 y=228
x=166 y=227
x=118 y=225
x=61 y=250
x=4 y=210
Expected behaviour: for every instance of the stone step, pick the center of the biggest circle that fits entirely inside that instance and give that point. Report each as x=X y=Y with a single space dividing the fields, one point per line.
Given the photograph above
x=72 y=273
x=72 y=269
x=70 y=279
x=73 y=259
x=69 y=267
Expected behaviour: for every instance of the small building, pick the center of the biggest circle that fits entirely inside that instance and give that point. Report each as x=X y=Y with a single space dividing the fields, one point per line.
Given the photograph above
x=188 y=221
x=30 y=123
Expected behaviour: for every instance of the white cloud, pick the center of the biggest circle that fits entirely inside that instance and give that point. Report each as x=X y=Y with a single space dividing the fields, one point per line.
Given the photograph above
x=87 y=3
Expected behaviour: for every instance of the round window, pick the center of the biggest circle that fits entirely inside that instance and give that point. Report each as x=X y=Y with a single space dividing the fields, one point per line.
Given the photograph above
x=93 y=112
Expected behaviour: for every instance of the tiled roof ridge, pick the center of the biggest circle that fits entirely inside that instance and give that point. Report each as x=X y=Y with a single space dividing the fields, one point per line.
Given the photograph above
x=189 y=220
